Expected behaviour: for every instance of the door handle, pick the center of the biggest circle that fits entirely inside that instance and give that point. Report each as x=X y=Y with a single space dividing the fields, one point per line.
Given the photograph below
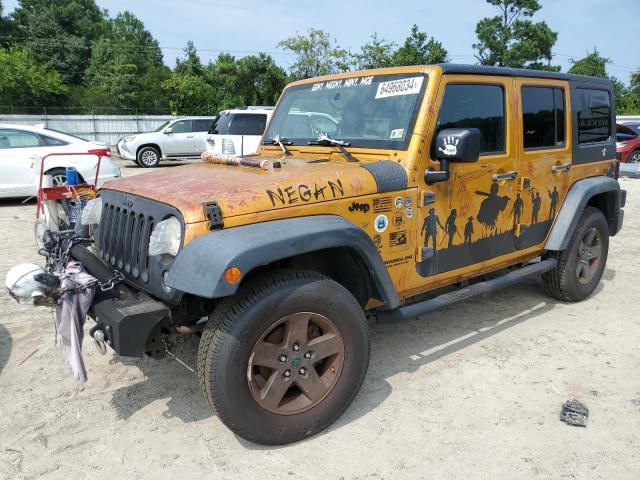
x=497 y=177
x=565 y=167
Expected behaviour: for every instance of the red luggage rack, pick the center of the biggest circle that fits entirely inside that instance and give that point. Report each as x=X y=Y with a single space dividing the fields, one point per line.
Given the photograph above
x=65 y=192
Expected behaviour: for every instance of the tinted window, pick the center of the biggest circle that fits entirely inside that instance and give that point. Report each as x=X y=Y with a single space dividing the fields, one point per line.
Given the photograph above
x=183 y=126
x=475 y=106
x=248 y=124
x=52 y=142
x=543 y=117
x=18 y=139
x=221 y=125
x=624 y=133
x=594 y=115
x=202 y=125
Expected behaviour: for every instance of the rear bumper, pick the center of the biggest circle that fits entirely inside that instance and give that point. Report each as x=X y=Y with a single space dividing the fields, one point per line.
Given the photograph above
x=130 y=319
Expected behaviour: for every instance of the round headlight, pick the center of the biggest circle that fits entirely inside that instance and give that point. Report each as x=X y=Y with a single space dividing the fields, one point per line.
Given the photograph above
x=166 y=237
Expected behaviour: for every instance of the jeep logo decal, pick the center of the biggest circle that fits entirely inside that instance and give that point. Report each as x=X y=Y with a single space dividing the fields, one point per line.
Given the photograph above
x=362 y=207
x=127 y=202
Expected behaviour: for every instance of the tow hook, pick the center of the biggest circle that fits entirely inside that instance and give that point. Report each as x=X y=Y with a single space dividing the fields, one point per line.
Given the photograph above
x=98 y=338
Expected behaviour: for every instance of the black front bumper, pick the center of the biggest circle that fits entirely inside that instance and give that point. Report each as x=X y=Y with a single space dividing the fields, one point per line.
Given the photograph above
x=129 y=319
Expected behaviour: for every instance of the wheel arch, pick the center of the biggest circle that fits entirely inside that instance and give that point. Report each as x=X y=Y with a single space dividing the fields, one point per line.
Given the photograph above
x=61 y=167
x=602 y=193
x=150 y=144
x=328 y=244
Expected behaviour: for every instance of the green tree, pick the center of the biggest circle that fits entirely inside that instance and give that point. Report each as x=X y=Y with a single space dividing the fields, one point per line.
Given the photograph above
x=190 y=95
x=593 y=65
x=316 y=53
x=419 y=49
x=26 y=83
x=191 y=64
x=59 y=33
x=511 y=39
x=7 y=28
x=376 y=53
x=125 y=69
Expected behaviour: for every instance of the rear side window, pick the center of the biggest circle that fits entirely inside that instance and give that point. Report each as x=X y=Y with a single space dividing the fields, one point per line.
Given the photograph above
x=18 y=139
x=543 y=118
x=594 y=115
x=475 y=106
x=52 y=142
x=202 y=125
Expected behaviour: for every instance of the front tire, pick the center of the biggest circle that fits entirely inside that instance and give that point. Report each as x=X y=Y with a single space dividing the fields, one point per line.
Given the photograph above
x=634 y=157
x=284 y=357
x=581 y=264
x=148 y=157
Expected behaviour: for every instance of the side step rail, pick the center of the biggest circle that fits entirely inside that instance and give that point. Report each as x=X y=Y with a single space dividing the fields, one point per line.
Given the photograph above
x=450 y=298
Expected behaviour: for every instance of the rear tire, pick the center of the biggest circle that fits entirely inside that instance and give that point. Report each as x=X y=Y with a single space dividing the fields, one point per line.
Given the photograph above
x=148 y=157
x=634 y=157
x=581 y=264
x=284 y=357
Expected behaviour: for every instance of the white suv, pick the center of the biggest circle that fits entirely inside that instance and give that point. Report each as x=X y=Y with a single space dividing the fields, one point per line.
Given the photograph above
x=176 y=139
x=239 y=131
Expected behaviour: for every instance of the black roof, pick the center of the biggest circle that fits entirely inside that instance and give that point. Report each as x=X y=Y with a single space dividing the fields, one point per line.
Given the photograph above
x=518 y=72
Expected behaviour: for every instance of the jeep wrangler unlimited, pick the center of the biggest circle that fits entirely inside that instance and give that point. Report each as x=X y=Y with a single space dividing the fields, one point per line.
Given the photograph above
x=392 y=193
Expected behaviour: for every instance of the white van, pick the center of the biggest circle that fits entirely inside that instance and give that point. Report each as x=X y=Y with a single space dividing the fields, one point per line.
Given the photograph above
x=239 y=131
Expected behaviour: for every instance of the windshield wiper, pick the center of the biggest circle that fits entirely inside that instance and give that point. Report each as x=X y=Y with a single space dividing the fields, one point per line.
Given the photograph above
x=281 y=141
x=324 y=139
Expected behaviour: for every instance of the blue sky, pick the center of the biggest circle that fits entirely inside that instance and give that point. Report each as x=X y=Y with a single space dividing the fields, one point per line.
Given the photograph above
x=613 y=26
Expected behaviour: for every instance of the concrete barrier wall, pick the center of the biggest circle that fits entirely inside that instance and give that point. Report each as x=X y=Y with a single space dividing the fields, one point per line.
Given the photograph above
x=103 y=128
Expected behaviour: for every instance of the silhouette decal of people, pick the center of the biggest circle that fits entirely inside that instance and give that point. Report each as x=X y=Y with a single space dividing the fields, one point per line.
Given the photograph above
x=516 y=210
x=450 y=227
x=491 y=207
x=468 y=230
x=554 y=202
x=536 y=202
x=430 y=228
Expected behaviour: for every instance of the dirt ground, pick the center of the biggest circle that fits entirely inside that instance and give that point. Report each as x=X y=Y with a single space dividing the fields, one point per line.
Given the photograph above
x=470 y=392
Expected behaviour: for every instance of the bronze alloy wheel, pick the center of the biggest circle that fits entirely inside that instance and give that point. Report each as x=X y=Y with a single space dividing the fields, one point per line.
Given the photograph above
x=296 y=363
x=589 y=253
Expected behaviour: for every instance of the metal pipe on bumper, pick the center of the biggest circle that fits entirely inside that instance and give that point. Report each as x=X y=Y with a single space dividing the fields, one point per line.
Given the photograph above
x=127 y=316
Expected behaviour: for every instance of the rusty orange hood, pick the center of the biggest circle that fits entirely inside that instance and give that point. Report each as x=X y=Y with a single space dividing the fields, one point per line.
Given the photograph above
x=241 y=190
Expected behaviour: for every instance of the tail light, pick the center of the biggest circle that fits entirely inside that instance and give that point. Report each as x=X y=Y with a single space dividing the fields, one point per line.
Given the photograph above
x=227 y=147
x=101 y=152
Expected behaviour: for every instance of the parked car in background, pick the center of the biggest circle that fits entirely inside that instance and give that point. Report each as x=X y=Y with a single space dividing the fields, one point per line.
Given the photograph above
x=177 y=139
x=627 y=144
x=239 y=131
x=23 y=147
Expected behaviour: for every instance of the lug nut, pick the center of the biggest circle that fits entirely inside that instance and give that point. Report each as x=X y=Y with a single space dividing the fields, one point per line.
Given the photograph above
x=307 y=355
x=282 y=358
x=302 y=371
x=287 y=373
x=296 y=347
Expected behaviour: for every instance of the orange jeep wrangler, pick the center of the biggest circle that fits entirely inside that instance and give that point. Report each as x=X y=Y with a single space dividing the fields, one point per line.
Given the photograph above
x=383 y=194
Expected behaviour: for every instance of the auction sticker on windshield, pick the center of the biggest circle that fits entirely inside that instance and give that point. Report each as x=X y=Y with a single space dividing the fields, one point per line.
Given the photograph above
x=404 y=86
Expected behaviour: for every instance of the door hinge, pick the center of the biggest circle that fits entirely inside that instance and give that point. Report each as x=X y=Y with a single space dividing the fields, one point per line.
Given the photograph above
x=525 y=183
x=428 y=198
x=214 y=214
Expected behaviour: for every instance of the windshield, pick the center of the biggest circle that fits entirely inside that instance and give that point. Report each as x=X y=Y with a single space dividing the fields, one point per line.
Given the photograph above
x=369 y=112
x=161 y=127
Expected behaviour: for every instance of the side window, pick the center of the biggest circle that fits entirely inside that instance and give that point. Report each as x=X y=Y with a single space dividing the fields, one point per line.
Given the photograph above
x=248 y=124
x=475 y=106
x=183 y=126
x=18 y=139
x=202 y=125
x=52 y=142
x=543 y=118
x=594 y=115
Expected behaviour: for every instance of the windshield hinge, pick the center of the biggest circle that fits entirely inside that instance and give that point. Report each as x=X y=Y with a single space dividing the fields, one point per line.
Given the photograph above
x=214 y=214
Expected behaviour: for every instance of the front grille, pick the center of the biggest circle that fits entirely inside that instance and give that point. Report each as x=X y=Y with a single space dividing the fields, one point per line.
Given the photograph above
x=123 y=239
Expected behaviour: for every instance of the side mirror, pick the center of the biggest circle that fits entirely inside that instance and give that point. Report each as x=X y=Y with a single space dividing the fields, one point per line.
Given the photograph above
x=168 y=130
x=460 y=145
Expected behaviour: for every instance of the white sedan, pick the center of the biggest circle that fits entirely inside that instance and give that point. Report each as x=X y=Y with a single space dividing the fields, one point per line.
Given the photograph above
x=23 y=147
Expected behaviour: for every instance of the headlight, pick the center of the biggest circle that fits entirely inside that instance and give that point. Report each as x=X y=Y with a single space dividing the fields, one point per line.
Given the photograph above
x=621 y=144
x=92 y=212
x=166 y=237
x=129 y=139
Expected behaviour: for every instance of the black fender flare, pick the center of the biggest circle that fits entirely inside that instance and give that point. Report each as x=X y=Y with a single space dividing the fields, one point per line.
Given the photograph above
x=576 y=200
x=199 y=268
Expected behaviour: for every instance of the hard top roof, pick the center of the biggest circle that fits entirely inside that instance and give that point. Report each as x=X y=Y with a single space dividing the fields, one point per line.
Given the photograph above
x=454 y=68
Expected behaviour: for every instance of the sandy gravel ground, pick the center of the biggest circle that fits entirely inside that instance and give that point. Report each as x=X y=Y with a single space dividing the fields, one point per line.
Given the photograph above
x=470 y=392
